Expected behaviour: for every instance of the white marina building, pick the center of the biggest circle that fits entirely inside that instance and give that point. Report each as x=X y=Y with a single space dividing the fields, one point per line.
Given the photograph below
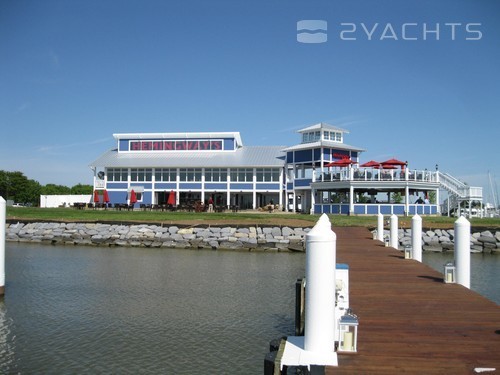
x=321 y=174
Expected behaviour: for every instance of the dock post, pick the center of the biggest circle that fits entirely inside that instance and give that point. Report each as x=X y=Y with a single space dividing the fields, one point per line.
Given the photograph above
x=416 y=237
x=394 y=232
x=316 y=348
x=321 y=248
x=3 y=216
x=380 y=227
x=462 y=251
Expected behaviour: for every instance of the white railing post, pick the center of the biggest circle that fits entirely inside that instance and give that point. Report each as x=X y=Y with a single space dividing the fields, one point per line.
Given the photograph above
x=321 y=247
x=416 y=237
x=317 y=346
x=3 y=216
x=394 y=231
x=380 y=227
x=462 y=251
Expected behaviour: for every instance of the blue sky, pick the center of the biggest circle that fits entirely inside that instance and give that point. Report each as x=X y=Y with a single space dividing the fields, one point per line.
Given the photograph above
x=72 y=73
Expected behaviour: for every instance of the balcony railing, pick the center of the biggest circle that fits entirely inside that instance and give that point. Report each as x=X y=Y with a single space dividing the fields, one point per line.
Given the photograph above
x=362 y=174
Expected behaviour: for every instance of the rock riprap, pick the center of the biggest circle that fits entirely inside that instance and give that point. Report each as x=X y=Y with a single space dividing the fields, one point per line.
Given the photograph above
x=212 y=237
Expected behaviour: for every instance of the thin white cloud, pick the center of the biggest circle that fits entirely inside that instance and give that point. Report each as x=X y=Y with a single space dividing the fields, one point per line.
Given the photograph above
x=54 y=60
x=23 y=107
x=52 y=149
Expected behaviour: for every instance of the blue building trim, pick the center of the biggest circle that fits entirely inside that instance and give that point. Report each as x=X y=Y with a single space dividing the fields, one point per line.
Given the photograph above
x=190 y=185
x=116 y=185
x=215 y=185
x=267 y=186
x=228 y=144
x=241 y=186
x=165 y=185
x=123 y=145
x=306 y=182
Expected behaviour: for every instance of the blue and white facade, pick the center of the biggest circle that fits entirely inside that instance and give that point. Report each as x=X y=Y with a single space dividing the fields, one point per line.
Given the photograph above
x=300 y=178
x=196 y=166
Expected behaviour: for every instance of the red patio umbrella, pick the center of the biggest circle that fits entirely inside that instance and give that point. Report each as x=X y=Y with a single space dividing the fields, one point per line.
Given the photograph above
x=386 y=166
x=340 y=163
x=371 y=163
x=105 y=196
x=96 y=196
x=171 y=198
x=393 y=162
x=133 y=197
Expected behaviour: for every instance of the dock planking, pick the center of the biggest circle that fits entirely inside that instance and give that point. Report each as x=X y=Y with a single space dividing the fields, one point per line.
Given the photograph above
x=409 y=320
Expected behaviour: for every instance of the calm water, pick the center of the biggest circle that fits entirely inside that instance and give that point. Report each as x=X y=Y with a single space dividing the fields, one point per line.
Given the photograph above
x=484 y=271
x=126 y=310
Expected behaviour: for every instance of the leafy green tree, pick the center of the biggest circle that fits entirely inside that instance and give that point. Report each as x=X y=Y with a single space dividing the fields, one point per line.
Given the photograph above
x=82 y=189
x=4 y=184
x=16 y=186
x=432 y=197
x=53 y=189
x=397 y=197
x=31 y=193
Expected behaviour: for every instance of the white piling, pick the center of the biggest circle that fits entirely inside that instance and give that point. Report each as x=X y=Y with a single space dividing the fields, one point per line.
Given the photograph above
x=3 y=216
x=394 y=232
x=462 y=251
x=416 y=237
x=380 y=227
x=321 y=250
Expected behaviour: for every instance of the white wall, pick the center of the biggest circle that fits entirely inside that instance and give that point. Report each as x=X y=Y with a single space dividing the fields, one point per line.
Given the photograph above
x=47 y=201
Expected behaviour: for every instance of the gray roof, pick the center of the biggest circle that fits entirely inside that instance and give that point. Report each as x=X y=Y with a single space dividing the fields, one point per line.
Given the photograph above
x=247 y=156
x=322 y=125
x=324 y=143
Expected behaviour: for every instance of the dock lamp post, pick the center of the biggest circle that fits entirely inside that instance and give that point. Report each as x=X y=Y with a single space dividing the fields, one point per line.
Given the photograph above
x=386 y=240
x=408 y=252
x=348 y=333
x=450 y=273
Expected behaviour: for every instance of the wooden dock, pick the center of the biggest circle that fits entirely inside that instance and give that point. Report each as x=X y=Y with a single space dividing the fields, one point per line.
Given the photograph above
x=409 y=320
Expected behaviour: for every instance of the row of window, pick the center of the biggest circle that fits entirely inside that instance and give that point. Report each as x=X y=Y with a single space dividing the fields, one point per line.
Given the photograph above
x=194 y=174
x=316 y=136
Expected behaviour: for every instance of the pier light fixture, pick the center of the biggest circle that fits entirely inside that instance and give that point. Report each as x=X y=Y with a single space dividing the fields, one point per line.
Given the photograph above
x=408 y=252
x=374 y=234
x=386 y=240
x=450 y=273
x=348 y=332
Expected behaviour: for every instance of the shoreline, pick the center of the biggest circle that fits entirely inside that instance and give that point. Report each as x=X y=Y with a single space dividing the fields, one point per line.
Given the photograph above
x=242 y=238
x=245 y=237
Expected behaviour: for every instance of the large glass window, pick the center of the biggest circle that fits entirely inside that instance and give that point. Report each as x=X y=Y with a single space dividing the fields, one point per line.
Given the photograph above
x=165 y=174
x=215 y=174
x=117 y=174
x=332 y=136
x=141 y=174
x=311 y=136
x=268 y=174
x=241 y=175
x=190 y=174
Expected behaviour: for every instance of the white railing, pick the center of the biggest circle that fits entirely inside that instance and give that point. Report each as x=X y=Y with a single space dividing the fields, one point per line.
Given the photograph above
x=369 y=174
x=460 y=189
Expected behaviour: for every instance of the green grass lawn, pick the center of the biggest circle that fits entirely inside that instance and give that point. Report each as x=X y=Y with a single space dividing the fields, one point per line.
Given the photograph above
x=276 y=218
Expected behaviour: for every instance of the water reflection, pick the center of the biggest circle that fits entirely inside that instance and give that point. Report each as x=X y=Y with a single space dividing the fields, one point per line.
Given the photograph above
x=88 y=310
x=485 y=271
x=6 y=341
